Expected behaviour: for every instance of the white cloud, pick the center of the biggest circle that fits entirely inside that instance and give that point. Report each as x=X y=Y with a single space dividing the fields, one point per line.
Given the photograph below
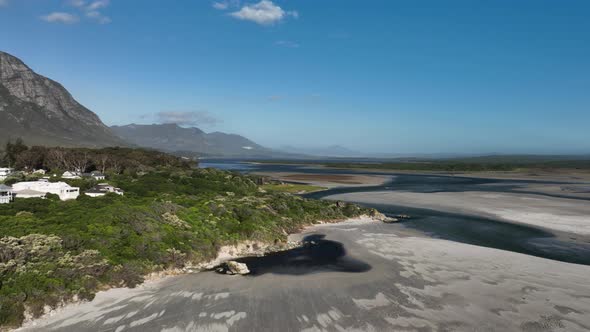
x=225 y=4
x=98 y=4
x=264 y=13
x=91 y=9
x=220 y=5
x=287 y=43
x=77 y=3
x=96 y=15
x=60 y=17
x=201 y=118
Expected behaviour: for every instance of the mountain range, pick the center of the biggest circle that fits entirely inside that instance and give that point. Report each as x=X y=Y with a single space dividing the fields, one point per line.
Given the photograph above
x=173 y=138
x=42 y=112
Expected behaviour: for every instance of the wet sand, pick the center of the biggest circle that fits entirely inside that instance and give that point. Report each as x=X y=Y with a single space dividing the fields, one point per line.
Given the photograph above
x=560 y=214
x=413 y=283
x=375 y=277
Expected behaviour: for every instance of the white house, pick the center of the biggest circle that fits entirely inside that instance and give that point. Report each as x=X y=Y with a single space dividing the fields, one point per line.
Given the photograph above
x=71 y=175
x=5 y=194
x=40 y=172
x=98 y=175
x=103 y=189
x=28 y=193
x=95 y=175
x=5 y=172
x=62 y=189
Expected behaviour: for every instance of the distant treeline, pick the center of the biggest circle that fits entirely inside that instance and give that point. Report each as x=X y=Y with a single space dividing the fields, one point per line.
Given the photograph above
x=474 y=164
x=114 y=159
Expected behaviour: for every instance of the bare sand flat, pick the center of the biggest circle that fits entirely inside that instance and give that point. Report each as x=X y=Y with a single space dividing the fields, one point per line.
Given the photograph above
x=414 y=284
x=567 y=215
x=329 y=180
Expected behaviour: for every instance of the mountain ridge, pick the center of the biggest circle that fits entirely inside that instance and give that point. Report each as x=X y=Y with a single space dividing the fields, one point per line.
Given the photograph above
x=42 y=112
x=173 y=138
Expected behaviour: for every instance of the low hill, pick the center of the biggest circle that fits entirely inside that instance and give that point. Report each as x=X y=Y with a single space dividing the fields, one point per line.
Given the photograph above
x=172 y=138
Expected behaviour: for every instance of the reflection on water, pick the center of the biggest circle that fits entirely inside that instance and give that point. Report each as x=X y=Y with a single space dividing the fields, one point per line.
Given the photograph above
x=315 y=255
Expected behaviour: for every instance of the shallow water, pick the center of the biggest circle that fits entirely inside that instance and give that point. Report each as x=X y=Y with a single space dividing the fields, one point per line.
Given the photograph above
x=455 y=227
x=315 y=255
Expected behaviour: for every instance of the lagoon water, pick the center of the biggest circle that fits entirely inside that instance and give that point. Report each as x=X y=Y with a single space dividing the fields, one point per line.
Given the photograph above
x=474 y=230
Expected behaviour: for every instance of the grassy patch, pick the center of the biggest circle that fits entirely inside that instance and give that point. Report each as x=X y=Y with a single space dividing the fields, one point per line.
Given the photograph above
x=291 y=188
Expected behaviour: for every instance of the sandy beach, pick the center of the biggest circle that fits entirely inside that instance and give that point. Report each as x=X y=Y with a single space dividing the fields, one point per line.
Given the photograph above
x=370 y=276
x=414 y=284
x=329 y=180
x=566 y=215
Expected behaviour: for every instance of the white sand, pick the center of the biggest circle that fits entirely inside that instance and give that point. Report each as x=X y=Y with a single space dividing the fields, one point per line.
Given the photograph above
x=415 y=283
x=559 y=214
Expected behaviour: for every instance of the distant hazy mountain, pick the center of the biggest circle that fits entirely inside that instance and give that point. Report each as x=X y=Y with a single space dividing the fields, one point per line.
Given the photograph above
x=328 y=151
x=171 y=138
x=42 y=112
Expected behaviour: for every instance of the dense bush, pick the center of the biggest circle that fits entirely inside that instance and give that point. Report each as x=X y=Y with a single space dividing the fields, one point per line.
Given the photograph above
x=53 y=251
x=107 y=160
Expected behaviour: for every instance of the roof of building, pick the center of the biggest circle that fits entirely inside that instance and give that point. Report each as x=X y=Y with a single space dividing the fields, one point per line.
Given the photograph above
x=95 y=191
x=5 y=187
x=29 y=192
x=42 y=185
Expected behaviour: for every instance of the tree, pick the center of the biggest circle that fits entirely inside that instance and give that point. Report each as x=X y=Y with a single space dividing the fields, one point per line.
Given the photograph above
x=31 y=159
x=12 y=150
x=56 y=159
x=102 y=162
x=79 y=160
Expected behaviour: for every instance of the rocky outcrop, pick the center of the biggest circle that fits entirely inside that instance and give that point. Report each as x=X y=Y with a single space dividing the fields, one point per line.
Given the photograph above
x=378 y=216
x=233 y=268
x=43 y=112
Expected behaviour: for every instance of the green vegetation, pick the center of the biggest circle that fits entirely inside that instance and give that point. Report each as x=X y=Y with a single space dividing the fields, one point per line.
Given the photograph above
x=171 y=216
x=505 y=163
x=106 y=160
x=291 y=188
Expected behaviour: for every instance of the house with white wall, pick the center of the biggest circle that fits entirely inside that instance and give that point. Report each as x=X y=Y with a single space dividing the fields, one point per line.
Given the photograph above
x=71 y=175
x=96 y=175
x=5 y=194
x=28 y=193
x=62 y=189
x=5 y=172
x=102 y=189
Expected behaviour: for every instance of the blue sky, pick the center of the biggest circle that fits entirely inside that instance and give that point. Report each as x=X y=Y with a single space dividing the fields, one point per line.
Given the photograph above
x=380 y=76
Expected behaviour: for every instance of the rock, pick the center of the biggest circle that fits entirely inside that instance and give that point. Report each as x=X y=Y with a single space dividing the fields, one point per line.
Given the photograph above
x=376 y=215
x=233 y=267
x=390 y=220
x=340 y=204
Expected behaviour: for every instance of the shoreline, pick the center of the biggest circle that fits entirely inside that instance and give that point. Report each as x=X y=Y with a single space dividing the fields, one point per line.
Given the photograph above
x=565 y=175
x=414 y=283
x=226 y=253
x=554 y=214
x=329 y=181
